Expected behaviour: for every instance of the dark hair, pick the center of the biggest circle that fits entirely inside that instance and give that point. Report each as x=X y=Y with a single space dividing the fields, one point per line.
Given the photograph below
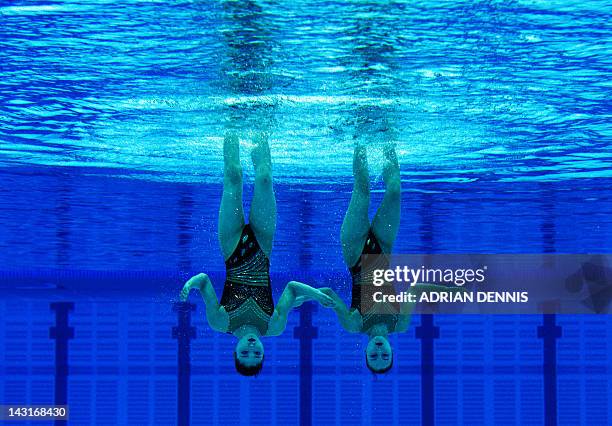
x=252 y=370
x=382 y=370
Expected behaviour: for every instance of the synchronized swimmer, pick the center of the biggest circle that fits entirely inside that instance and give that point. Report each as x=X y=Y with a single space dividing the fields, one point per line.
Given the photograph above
x=246 y=309
x=360 y=239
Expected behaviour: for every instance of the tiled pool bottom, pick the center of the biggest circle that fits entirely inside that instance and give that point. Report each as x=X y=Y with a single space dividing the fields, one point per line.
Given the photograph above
x=123 y=369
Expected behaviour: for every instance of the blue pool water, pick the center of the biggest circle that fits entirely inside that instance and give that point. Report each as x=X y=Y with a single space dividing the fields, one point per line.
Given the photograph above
x=112 y=116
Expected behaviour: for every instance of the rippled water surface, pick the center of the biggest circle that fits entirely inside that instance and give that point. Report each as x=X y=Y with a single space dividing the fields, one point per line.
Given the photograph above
x=508 y=90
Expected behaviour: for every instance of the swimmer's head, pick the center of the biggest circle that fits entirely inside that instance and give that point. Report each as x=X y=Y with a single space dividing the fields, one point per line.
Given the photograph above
x=249 y=355
x=379 y=356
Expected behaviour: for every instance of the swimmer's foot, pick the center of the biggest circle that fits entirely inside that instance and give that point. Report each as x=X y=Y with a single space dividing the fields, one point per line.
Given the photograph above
x=360 y=159
x=231 y=148
x=261 y=152
x=391 y=166
x=232 y=171
x=360 y=169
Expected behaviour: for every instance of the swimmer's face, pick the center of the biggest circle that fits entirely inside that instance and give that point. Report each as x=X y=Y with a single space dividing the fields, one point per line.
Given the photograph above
x=379 y=354
x=249 y=350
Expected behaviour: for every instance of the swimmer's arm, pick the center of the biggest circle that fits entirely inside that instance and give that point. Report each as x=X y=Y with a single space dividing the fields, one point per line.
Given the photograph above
x=217 y=318
x=295 y=294
x=350 y=321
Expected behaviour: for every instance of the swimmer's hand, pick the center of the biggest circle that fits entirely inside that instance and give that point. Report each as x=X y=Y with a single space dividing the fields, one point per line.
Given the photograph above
x=332 y=295
x=335 y=300
x=324 y=299
x=197 y=282
x=316 y=295
x=350 y=320
x=304 y=293
x=299 y=301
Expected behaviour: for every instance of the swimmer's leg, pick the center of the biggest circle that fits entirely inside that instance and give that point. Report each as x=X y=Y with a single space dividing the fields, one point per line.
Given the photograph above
x=356 y=222
x=231 y=214
x=386 y=221
x=263 y=207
